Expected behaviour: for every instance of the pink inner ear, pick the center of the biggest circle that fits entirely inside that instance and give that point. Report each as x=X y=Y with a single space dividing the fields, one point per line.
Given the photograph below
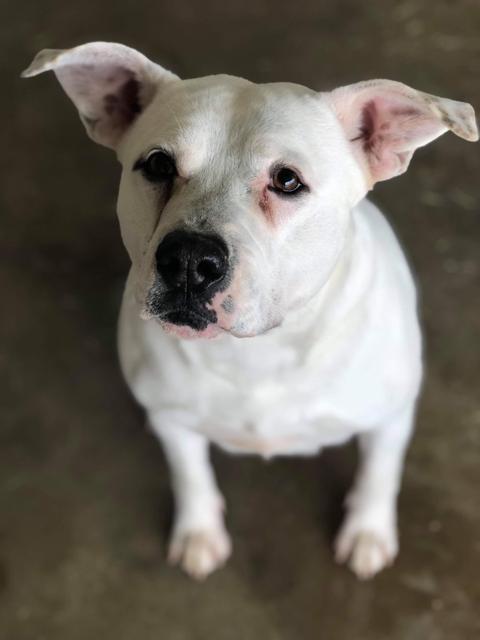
x=107 y=97
x=383 y=123
x=389 y=129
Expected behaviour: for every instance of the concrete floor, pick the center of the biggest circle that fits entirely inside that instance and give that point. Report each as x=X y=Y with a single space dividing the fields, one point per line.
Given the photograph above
x=84 y=496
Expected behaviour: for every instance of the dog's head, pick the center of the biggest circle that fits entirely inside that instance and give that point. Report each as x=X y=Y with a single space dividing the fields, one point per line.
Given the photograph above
x=235 y=197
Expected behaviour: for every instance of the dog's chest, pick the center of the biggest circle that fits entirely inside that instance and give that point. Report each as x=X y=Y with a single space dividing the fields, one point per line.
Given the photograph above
x=272 y=398
x=274 y=417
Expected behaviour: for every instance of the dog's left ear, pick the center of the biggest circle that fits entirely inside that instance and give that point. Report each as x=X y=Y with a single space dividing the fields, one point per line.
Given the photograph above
x=109 y=83
x=385 y=121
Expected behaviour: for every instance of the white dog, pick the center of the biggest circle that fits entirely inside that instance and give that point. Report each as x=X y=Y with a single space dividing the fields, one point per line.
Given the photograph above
x=242 y=209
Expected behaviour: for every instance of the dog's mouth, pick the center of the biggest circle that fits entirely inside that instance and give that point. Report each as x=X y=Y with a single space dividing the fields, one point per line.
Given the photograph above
x=179 y=308
x=188 y=322
x=185 y=316
x=183 y=324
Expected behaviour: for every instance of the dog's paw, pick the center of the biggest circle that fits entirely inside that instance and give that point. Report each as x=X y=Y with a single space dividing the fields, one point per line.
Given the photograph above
x=199 y=552
x=367 y=550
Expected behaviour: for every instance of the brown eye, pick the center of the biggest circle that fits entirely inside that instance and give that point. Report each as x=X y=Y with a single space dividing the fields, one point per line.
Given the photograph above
x=285 y=180
x=158 y=167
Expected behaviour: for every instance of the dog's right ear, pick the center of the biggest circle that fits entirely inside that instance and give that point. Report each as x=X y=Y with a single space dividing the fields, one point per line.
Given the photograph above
x=109 y=83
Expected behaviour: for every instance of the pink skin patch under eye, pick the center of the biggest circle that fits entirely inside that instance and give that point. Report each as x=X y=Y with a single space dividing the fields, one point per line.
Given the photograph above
x=263 y=197
x=274 y=207
x=265 y=204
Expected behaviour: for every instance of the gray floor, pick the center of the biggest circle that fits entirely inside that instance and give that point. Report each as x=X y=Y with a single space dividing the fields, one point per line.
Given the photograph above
x=84 y=498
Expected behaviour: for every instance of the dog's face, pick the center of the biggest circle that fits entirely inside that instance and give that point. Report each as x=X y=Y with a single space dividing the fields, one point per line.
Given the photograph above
x=235 y=198
x=230 y=203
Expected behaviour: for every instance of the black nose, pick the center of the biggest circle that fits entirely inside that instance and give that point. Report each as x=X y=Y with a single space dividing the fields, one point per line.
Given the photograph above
x=192 y=261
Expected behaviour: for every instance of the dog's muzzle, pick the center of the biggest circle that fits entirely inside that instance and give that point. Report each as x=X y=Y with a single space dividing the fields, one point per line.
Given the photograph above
x=192 y=268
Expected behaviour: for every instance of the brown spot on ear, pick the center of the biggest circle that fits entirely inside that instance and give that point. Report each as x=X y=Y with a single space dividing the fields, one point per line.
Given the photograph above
x=451 y=124
x=131 y=97
x=124 y=105
x=110 y=102
x=456 y=116
x=447 y=120
x=406 y=112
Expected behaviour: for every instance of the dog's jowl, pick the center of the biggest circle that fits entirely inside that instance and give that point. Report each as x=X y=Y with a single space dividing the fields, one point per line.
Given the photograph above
x=269 y=308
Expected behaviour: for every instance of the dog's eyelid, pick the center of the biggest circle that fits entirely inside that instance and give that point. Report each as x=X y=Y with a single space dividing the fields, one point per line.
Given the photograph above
x=140 y=162
x=283 y=164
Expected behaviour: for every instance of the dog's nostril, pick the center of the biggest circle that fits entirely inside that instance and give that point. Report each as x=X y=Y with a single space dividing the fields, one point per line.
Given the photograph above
x=208 y=270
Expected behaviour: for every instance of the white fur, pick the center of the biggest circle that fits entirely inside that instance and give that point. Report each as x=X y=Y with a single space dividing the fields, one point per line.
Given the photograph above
x=322 y=340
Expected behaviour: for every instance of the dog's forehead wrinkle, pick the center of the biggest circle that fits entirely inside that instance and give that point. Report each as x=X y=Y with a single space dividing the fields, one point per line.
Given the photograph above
x=230 y=125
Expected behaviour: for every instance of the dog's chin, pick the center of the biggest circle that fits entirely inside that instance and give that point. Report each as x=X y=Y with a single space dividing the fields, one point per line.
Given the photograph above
x=242 y=332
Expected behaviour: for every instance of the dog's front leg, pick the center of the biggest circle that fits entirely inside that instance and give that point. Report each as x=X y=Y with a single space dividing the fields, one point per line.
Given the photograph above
x=199 y=542
x=368 y=537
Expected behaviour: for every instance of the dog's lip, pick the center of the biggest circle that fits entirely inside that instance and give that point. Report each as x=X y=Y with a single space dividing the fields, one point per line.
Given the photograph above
x=183 y=312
